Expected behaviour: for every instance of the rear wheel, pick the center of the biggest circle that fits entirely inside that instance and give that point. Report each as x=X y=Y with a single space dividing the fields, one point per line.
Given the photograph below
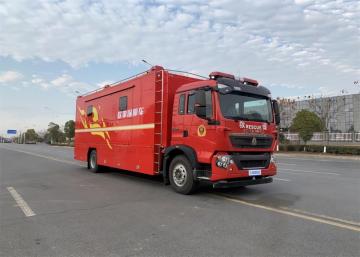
x=181 y=176
x=92 y=162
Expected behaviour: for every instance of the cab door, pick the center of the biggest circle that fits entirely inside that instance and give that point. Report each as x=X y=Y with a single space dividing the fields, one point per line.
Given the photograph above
x=200 y=133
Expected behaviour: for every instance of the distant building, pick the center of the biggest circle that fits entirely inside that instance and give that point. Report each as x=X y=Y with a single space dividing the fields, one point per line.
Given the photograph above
x=339 y=113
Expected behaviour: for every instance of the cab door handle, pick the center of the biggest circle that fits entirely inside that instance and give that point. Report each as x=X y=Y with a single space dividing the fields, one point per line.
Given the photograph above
x=185 y=133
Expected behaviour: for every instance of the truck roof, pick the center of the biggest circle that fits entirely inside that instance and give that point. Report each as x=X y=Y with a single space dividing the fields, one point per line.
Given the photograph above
x=199 y=81
x=245 y=88
x=109 y=89
x=197 y=84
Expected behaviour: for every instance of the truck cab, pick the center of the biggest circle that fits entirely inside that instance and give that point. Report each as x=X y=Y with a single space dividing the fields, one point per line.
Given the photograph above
x=224 y=132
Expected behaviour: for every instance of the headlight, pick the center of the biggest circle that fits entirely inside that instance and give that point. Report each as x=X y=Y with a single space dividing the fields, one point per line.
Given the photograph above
x=223 y=161
x=224 y=158
x=272 y=159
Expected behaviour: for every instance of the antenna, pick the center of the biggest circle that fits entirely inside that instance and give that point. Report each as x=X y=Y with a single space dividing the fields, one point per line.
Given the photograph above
x=147 y=63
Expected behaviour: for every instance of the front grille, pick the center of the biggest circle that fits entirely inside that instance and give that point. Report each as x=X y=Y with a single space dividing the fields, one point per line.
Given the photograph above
x=246 y=141
x=249 y=161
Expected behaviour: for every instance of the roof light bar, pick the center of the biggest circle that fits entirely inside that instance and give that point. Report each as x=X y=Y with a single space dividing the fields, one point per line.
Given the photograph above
x=217 y=74
x=248 y=81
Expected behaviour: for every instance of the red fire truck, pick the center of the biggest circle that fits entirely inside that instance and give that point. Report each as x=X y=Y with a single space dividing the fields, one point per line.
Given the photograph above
x=220 y=129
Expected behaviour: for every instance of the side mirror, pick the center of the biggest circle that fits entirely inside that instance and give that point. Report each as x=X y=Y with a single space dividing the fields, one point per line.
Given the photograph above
x=276 y=112
x=201 y=106
x=200 y=98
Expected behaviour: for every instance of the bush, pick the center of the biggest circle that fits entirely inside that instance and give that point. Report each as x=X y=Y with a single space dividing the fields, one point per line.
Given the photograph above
x=315 y=148
x=353 y=150
x=283 y=139
x=344 y=150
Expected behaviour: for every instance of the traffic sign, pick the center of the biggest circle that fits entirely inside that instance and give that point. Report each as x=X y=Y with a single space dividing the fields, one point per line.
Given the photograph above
x=12 y=131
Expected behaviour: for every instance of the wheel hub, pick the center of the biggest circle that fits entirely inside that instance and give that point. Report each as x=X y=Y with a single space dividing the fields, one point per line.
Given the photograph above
x=179 y=175
x=92 y=161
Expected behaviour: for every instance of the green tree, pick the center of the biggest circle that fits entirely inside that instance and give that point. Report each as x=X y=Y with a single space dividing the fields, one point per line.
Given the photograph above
x=69 y=129
x=54 y=133
x=306 y=123
x=47 y=137
x=61 y=137
x=31 y=135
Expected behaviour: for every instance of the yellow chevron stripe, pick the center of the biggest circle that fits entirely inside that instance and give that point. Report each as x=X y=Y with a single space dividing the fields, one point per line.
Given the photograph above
x=117 y=128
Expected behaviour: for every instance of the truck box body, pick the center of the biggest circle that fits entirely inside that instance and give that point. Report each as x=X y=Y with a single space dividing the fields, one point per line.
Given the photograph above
x=128 y=138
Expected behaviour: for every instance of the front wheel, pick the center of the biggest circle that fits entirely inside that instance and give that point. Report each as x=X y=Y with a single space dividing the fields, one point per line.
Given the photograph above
x=181 y=176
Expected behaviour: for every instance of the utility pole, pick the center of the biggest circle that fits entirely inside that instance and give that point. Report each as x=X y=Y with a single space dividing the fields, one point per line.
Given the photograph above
x=144 y=61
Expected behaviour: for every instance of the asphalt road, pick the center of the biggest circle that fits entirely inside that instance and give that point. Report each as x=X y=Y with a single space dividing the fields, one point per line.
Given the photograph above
x=51 y=205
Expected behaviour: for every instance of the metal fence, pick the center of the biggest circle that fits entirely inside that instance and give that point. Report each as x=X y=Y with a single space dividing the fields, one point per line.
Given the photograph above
x=357 y=137
x=292 y=136
x=341 y=137
x=325 y=136
x=318 y=137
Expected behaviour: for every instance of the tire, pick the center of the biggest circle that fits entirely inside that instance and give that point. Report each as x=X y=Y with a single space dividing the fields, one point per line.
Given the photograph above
x=181 y=176
x=92 y=162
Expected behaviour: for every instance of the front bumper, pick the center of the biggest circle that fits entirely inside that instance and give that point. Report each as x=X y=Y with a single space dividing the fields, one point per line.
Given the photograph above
x=240 y=183
x=234 y=171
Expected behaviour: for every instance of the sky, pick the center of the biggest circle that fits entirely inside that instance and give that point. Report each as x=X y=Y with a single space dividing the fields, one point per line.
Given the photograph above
x=52 y=51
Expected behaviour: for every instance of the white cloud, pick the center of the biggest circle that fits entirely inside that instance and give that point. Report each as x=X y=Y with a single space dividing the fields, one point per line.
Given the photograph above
x=62 y=81
x=280 y=41
x=36 y=80
x=15 y=88
x=303 y=2
x=10 y=76
x=65 y=83
x=104 y=83
x=285 y=86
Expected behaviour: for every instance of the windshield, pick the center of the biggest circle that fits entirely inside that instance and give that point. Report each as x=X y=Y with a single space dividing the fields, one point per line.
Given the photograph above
x=246 y=107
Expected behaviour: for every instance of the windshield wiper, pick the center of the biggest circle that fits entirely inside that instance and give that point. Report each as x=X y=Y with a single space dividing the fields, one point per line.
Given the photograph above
x=268 y=122
x=238 y=118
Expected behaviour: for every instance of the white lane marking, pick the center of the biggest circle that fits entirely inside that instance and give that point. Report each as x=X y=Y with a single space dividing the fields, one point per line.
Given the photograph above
x=330 y=159
x=283 y=179
x=44 y=156
x=21 y=202
x=285 y=163
x=344 y=224
x=322 y=216
x=308 y=171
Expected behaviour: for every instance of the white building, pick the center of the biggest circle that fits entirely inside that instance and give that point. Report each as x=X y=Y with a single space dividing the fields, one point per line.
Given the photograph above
x=340 y=113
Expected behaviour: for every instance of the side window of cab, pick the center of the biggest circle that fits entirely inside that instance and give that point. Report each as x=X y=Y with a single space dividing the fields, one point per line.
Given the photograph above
x=181 y=107
x=191 y=103
x=191 y=99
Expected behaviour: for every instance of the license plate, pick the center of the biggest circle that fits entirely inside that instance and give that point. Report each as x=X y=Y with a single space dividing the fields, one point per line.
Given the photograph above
x=254 y=172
